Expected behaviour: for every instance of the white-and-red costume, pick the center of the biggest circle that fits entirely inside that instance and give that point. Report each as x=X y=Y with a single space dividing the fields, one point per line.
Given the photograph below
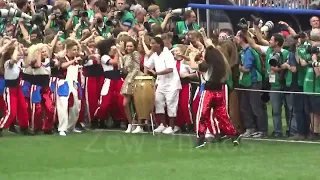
x=111 y=101
x=184 y=115
x=40 y=96
x=68 y=95
x=15 y=105
x=94 y=80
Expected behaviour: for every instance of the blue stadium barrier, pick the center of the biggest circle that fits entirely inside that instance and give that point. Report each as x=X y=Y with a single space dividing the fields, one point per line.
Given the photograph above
x=298 y=19
x=255 y=9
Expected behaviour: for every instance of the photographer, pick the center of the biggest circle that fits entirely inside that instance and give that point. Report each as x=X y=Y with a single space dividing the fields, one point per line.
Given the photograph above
x=99 y=24
x=124 y=18
x=312 y=84
x=189 y=23
x=251 y=106
x=141 y=20
x=274 y=75
x=154 y=11
x=78 y=15
x=56 y=22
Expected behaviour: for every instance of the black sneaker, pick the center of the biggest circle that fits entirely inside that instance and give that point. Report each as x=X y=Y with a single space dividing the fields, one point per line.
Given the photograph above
x=200 y=142
x=79 y=127
x=236 y=140
x=27 y=132
x=12 y=129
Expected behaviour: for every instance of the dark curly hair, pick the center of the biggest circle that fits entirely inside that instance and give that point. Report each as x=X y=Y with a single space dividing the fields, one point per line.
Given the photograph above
x=104 y=46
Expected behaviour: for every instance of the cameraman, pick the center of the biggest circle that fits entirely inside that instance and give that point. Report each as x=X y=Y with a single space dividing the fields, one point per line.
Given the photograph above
x=189 y=23
x=251 y=106
x=125 y=21
x=274 y=76
x=154 y=11
x=99 y=24
x=297 y=67
x=78 y=15
x=57 y=22
x=312 y=84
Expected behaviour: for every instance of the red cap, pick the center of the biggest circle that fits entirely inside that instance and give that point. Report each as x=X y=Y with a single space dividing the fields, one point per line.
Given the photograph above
x=285 y=33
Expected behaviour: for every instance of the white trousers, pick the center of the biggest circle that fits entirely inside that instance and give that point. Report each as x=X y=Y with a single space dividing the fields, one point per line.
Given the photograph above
x=169 y=99
x=68 y=117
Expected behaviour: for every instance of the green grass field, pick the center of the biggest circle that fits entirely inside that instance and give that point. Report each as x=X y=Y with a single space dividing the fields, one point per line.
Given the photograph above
x=115 y=155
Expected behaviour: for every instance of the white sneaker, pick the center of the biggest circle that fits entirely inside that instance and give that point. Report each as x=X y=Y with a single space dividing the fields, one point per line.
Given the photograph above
x=248 y=133
x=62 y=133
x=76 y=131
x=168 y=130
x=176 y=129
x=137 y=130
x=129 y=129
x=209 y=135
x=160 y=128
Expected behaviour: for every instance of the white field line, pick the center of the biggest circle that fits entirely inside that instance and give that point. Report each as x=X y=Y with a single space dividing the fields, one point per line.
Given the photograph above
x=251 y=139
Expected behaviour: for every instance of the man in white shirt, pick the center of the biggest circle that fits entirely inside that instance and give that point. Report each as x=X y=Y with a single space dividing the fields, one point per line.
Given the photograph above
x=168 y=84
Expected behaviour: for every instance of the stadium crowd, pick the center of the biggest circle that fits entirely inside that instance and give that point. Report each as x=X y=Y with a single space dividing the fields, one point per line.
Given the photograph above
x=61 y=67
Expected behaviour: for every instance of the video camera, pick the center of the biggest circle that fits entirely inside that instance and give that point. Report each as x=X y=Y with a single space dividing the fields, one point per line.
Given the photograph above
x=13 y=13
x=82 y=14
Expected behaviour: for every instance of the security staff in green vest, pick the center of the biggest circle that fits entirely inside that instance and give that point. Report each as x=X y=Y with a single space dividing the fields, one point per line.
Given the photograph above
x=56 y=22
x=154 y=12
x=253 y=110
x=125 y=22
x=273 y=76
x=189 y=23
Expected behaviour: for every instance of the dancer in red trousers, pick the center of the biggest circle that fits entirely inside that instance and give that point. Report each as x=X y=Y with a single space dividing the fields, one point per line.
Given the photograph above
x=215 y=71
x=184 y=115
x=15 y=104
x=110 y=100
x=40 y=94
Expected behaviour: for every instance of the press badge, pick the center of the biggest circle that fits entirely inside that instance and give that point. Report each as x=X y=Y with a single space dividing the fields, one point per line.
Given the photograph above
x=272 y=78
x=241 y=75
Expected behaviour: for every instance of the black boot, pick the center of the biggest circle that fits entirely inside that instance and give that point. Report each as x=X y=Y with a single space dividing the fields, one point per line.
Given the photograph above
x=13 y=129
x=200 y=142
x=26 y=132
x=79 y=127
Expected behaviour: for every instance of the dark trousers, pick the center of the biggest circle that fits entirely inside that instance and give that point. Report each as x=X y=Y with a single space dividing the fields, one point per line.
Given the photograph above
x=253 y=110
x=301 y=112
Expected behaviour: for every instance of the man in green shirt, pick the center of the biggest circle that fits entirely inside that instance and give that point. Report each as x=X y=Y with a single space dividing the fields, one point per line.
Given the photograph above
x=274 y=77
x=154 y=11
x=126 y=20
x=56 y=22
x=183 y=27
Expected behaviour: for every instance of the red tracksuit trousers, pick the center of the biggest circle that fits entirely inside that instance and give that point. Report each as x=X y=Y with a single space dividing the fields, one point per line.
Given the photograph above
x=15 y=105
x=213 y=100
x=37 y=109
x=92 y=89
x=184 y=115
x=111 y=101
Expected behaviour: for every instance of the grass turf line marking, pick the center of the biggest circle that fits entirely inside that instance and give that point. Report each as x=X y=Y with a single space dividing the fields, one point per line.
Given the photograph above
x=251 y=139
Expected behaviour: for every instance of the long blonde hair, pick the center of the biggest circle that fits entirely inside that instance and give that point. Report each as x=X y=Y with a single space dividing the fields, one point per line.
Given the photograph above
x=33 y=50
